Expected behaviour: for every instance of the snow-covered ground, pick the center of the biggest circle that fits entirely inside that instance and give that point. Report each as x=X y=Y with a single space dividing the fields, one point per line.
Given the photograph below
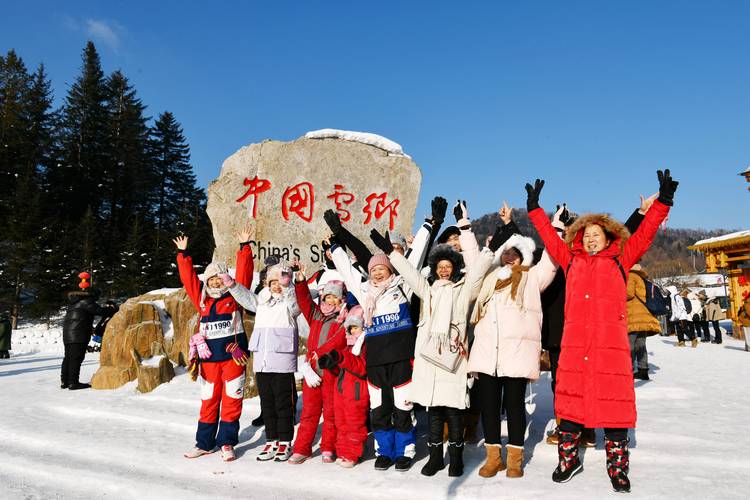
x=691 y=441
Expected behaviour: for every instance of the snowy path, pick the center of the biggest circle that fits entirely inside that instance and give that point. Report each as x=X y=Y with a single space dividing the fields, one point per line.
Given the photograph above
x=691 y=441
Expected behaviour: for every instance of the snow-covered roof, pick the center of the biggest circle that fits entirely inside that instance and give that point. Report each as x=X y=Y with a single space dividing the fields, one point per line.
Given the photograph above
x=746 y=171
x=724 y=237
x=378 y=141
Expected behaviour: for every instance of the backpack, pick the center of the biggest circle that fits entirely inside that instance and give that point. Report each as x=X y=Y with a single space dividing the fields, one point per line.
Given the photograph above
x=688 y=305
x=655 y=302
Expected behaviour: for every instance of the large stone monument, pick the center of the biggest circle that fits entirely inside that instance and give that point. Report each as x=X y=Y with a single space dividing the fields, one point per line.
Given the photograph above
x=283 y=189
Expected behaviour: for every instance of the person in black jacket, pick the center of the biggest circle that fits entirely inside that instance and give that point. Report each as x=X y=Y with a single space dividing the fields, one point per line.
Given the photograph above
x=77 y=328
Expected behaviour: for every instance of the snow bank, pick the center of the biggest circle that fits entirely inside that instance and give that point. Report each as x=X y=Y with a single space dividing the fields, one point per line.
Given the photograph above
x=723 y=237
x=378 y=141
x=36 y=336
x=153 y=361
x=163 y=291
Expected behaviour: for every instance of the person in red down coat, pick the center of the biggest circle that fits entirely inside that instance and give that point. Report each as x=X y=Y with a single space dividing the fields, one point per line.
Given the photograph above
x=351 y=397
x=326 y=329
x=594 y=377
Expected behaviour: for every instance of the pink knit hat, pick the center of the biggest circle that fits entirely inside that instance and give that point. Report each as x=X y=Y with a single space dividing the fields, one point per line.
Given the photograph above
x=356 y=317
x=380 y=259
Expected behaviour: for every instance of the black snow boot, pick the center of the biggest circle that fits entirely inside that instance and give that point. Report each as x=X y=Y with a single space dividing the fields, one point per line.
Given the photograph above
x=383 y=463
x=456 y=454
x=435 y=463
x=78 y=385
x=618 y=464
x=403 y=464
x=641 y=374
x=569 y=461
x=258 y=422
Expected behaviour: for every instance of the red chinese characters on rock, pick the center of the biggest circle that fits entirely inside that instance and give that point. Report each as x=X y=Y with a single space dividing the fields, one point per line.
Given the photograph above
x=299 y=199
x=341 y=198
x=257 y=186
x=380 y=208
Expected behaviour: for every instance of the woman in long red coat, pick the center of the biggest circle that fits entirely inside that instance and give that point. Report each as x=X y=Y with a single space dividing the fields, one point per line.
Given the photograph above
x=595 y=375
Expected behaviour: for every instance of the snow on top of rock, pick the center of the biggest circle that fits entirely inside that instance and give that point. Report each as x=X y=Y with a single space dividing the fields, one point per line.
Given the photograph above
x=167 y=327
x=378 y=141
x=163 y=291
x=153 y=361
x=723 y=237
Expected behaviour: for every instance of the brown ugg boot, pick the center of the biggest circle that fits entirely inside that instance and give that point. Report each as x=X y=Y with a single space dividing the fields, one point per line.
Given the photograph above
x=554 y=436
x=515 y=461
x=494 y=463
x=694 y=343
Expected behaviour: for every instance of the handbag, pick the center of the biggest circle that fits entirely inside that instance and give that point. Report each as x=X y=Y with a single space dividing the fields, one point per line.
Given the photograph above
x=544 y=362
x=444 y=355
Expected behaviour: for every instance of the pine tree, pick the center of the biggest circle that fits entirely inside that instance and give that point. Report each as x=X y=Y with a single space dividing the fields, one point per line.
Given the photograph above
x=179 y=207
x=77 y=182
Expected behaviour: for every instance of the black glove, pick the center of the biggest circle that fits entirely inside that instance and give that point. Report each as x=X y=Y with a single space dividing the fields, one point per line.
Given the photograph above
x=333 y=221
x=334 y=241
x=532 y=197
x=497 y=239
x=565 y=216
x=458 y=212
x=329 y=361
x=667 y=187
x=439 y=206
x=382 y=242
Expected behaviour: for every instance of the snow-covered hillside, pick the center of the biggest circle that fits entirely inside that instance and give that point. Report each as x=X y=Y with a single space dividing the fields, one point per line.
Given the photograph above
x=691 y=441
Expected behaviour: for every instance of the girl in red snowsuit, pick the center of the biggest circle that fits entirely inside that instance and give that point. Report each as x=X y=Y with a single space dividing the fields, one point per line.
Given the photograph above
x=221 y=345
x=351 y=398
x=326 y=332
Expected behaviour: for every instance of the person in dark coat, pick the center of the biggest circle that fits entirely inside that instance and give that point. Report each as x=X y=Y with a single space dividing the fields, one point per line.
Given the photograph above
x=77 y=328
x=6 y=329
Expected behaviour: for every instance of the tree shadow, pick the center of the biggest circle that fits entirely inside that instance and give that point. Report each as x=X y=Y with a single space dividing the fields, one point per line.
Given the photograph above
x=733 y=348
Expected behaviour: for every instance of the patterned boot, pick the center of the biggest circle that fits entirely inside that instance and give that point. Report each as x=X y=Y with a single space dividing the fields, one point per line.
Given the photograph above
x=567 y=452
x=618 y=464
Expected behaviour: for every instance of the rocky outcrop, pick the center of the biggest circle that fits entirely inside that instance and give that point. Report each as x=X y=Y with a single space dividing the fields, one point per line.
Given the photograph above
x=153 y=371
x=361 y=175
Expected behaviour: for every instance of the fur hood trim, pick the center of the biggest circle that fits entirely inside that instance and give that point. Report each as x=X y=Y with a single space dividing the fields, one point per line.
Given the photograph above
x=445 y=252
x=614 y=229
x=523 y=244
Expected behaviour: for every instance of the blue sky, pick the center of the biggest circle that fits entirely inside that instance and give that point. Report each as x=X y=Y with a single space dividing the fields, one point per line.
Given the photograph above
x=485 y=96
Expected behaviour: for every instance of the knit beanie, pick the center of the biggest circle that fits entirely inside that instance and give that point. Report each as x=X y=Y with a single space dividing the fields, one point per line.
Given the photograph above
x=356 y=317
x=380 y=259
x=214 y=269
x=333 y=287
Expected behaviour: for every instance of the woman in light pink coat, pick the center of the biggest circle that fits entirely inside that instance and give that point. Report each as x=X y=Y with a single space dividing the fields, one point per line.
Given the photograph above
x=507 y=344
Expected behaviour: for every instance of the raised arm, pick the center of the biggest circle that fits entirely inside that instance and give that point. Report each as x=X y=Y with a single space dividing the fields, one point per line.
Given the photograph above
x=411 y=276
x=418 y=250
x=346 y=238
x=641 y=240
x=304 y=300
x=552 y=242
x=244 y=266
x=244 y=296
x=352 y=277
x=188 y=276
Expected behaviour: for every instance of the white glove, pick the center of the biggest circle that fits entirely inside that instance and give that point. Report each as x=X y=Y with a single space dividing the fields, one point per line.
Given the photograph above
x=357 y=347
x=312 y=379
x=556 y=222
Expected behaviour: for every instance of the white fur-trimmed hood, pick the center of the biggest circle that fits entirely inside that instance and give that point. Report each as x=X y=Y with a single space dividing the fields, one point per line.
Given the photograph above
x=523 y=244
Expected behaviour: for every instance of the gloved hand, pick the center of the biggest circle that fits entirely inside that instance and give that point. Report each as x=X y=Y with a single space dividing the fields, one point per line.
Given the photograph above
x=357 y=347
x=497 y=239
x=333 y=221
x=193 y=369
x=312 y=379
x=439 y=206
x=238 y=355
x=532 y=194
x=667 y=187
x=460 y=211
x=200 y=345
x=227 y=280
x=382 y=242
x=329 y=361
x=193 y=351
x=561 y=217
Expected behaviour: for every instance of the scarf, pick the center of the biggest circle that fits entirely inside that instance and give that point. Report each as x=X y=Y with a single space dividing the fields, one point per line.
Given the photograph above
x=515 y=277
x=374 y=291
x=214 y=293
x=441 y=313
x=329 y=310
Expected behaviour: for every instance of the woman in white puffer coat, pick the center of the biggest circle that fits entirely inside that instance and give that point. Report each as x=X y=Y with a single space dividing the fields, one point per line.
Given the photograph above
x=507 y=345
